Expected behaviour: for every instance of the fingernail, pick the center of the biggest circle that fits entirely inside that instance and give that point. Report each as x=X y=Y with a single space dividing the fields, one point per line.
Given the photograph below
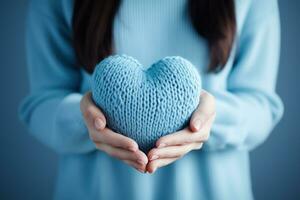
x=197 y=124
x=154 y=157
x=161 y=145
x=99 y=124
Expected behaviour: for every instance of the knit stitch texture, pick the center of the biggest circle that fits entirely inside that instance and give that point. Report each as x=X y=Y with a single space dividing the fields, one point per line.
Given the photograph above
x=146 y=103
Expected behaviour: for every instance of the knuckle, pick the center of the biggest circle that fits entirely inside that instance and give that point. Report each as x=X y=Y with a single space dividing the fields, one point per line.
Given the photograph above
x=130 y=144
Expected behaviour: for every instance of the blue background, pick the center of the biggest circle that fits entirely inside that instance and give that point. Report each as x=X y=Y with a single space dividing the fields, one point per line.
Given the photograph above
x=28 y=169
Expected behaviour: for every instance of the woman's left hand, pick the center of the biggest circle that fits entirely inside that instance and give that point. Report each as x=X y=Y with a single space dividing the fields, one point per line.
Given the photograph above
x=174 y=146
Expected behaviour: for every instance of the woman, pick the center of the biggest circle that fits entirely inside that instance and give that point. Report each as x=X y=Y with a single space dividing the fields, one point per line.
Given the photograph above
x=233 y=44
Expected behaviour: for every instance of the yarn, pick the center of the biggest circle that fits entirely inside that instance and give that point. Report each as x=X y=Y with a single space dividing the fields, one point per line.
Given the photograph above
x=146 y=103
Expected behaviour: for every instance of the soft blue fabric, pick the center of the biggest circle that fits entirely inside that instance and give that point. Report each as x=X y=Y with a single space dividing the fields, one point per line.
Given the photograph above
x=247 y=105
x=146 y=103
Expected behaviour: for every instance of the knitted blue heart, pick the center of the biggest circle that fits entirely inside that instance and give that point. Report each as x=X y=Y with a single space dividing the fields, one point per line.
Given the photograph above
x=146 y=103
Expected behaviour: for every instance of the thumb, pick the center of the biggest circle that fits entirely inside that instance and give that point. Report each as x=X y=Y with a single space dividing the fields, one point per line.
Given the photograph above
x=204 y=111
x=92 y=114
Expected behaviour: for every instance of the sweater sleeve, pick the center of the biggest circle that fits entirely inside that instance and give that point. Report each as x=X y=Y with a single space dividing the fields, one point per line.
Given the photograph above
x=250 y=108
x=52 y=108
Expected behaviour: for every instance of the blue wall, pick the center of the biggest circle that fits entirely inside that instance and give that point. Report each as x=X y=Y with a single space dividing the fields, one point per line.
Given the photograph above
x=27 y=169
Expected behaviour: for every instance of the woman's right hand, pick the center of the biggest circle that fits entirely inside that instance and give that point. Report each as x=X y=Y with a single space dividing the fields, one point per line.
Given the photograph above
x=114 y=144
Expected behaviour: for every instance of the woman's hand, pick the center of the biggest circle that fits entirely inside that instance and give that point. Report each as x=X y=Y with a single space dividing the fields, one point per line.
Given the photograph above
x=114 y=144
x=174 y=146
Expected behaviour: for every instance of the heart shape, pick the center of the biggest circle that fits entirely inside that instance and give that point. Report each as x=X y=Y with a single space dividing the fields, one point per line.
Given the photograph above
x=146 y=103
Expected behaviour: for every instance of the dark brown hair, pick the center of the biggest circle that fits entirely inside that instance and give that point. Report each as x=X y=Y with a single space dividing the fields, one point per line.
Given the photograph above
x=93 y=29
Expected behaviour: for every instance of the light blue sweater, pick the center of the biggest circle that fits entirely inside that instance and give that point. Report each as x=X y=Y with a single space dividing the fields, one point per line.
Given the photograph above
x=247 y=105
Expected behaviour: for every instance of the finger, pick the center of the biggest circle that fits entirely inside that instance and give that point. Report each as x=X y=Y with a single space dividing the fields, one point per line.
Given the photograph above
x=93 y=115
x=112 y=138
x=137 y=166
x=185 y=136
x=204 y=111
x=181 y=137
x=170 y=151
x=198 y=146
x=122 y=154
x=155 y=164
x=203 y=134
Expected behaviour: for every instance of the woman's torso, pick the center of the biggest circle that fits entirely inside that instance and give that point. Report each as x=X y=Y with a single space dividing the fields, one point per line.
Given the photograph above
x=148 y=31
